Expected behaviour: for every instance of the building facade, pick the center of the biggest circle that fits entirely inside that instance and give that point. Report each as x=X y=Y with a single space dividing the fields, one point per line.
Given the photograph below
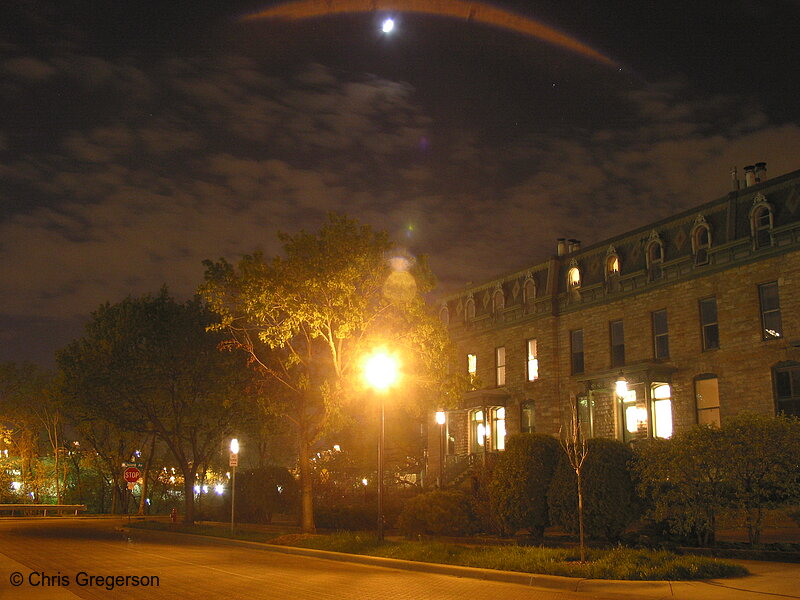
x=695 y=316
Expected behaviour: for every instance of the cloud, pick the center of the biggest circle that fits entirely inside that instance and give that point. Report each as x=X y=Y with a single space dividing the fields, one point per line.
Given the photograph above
x=27 y=67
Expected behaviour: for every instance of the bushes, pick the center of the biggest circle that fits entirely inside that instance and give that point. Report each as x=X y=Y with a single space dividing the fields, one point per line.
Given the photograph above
x=521 y=477
x=262 y=492
x=610 y=502
x=437 y=513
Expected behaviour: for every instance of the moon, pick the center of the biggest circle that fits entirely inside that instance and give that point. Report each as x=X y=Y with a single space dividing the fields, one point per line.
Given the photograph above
x=387 y=26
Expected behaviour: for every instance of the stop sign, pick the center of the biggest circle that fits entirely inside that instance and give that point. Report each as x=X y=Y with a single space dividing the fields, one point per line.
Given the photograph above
x=132 y=474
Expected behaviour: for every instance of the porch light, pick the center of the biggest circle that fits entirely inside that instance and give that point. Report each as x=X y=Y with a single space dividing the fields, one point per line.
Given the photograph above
x=441 y=418
x=621 y=386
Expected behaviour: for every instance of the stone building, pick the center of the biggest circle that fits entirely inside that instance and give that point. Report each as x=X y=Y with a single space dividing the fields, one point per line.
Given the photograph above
x=695 y=316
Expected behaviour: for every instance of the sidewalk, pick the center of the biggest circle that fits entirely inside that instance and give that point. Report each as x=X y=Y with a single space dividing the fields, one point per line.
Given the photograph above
x=767 y=579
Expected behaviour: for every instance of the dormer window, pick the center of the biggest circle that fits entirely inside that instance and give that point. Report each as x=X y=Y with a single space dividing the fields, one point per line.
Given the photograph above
x=701 y=241
x=529 y=291
x=612 y=266
x=469 y=310
x=761 y=222
x=574 y=278
x=444 y=315
x=498 y=300
x=655 y=258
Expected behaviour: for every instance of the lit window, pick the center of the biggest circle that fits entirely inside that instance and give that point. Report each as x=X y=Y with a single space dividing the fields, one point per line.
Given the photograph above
x=612 y=265
x=708 y=323
x=787 y=389
x=576 y=350
x=662 y=410
x=706 y=390
x=660 y=334
x=632 y=415
x=498 y=428
x=477 y=431
x=500 y=365
x=771 y=326
x=472 y=369
x=617 y=343
x=574 y=278
x=533 y=360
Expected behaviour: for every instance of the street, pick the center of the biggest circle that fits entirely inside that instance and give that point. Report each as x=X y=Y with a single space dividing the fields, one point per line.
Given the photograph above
x=65 y=558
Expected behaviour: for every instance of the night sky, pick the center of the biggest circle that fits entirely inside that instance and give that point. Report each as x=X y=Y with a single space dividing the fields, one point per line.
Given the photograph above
x=139 y=138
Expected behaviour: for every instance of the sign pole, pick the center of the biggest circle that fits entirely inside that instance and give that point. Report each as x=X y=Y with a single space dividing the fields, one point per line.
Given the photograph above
x=233 y=495
x=234 y=462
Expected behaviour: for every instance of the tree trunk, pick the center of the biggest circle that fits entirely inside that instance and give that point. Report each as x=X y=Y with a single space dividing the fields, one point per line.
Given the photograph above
x=306 y=487
x=581 y=535
x=188 y=493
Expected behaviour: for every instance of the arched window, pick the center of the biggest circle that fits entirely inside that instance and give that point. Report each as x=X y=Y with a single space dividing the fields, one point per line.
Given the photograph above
x=701 y=242
x=655 y=260
x=612 y=266
x=612 y=270
x=574 y=278
x=499 y=300
x=469 y=310
x=529 y=291
x=444 y=315
x=761 y=225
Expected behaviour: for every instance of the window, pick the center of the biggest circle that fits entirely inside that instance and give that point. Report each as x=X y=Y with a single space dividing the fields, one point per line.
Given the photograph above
x=444 y=315
x=612 y=266
x=469 y=310
x=529 y=291
x=499 y=301
x=576 y=350
x=655 y=260
x=661 y=394
x=586 y=415
x=701 y=241
x=500 y=365
x=527 y=417
x=574 y=278
x=762 y=226
x=706 y=393
x=533 y=361
x=787 y=389
x=633 y=416
x=617 y=343
x=497 y=428
x=771 y=326
x=660 y=334
x=472 y=370
x=477 y=431
x=708 y=323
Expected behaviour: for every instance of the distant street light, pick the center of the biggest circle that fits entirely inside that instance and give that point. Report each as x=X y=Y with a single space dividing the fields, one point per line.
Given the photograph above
x=381 y=372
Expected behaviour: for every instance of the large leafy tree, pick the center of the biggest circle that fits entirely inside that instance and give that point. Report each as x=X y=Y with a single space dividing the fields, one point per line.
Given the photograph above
x=149 y=365
x=308 y=318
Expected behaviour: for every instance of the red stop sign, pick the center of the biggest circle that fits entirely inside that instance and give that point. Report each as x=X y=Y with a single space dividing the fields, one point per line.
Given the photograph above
x=132 y=474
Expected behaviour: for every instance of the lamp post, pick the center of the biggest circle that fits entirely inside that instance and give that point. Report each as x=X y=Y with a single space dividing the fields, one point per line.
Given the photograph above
x=441 y=419
x=380 y=372
x=234 y=462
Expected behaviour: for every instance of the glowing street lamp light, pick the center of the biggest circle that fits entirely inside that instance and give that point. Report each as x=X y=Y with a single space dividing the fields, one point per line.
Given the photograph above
x=381 y=371
x=441 y=419
x=621 y=386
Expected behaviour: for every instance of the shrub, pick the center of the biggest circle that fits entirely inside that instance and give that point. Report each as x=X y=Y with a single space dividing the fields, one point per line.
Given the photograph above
x=346 y=517
x=609 y=498
x=262 y=492
x=437 y=513
x=521 y=477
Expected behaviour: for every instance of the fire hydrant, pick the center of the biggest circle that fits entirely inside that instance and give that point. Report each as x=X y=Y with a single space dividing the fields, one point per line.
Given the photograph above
x=173 y=515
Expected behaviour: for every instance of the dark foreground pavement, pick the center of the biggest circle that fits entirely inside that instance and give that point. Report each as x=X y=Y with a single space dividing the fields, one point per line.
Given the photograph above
x=55 y=558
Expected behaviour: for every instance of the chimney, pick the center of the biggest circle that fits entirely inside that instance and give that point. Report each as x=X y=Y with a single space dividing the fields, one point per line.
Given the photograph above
x=734 y=179
x=749 y=176
x=561 y=247
x=761 y=172
x=574 y=245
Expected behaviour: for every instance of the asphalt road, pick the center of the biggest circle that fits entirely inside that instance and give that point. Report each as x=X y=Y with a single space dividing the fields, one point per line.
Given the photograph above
x=55 y=558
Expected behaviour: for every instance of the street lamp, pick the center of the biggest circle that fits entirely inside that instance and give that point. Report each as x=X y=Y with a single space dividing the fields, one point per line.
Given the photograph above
x=441 y=419
x=234 y=462
x=381 y=372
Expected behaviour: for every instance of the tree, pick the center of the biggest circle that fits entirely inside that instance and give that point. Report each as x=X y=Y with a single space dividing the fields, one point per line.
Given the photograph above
x=306 y=320
x=149 y=365
x=576 y=450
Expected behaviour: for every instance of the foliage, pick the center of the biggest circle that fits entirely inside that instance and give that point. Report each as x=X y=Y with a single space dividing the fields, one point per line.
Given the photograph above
x=610 y=502
x=437 y=513
x=307 y=319
x=148 y=365
x=750 y=463
x=262 y=492
x=520 y=479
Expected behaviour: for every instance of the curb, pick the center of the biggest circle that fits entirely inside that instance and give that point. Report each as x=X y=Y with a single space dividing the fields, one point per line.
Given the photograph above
x=657 y=589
